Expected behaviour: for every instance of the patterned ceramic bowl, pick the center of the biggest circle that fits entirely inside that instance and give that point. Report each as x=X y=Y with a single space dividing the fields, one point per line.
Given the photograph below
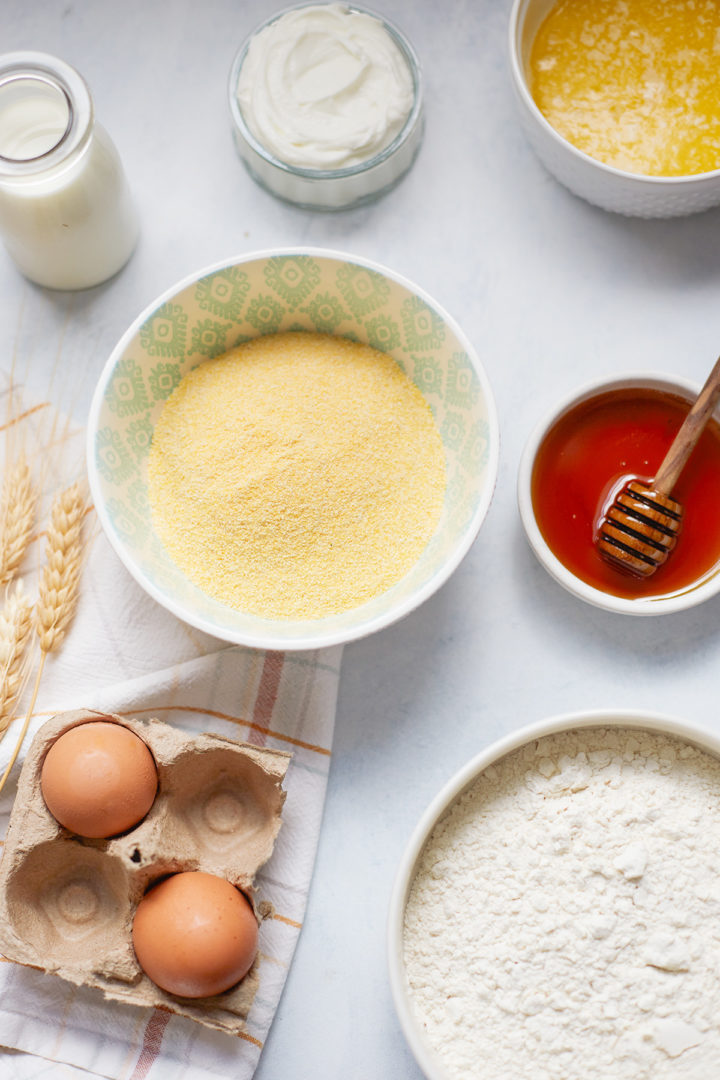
x=608 y=187
x=208 y=313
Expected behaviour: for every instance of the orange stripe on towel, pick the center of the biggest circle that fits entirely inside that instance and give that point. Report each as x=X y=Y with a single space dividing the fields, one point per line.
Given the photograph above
x=261 y=729
x=152 y=1043
x=266 y=698
x=249 y=1038
x=286 y=920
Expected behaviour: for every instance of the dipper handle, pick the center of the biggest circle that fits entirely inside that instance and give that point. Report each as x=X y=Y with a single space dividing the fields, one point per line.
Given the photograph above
x=690 y=431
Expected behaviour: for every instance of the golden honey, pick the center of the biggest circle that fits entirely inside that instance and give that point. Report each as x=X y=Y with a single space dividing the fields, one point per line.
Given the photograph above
x=633 y=83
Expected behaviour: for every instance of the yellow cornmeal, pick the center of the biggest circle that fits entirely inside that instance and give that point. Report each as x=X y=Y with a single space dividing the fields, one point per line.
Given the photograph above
x=633 y=83
x=297 y=476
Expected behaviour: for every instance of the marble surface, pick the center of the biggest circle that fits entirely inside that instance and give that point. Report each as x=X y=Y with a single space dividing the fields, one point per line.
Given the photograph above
x=552 y=291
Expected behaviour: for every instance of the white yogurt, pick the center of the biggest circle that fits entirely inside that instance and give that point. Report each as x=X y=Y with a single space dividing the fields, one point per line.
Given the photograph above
x=327 y=105
x=324 y=87
x=66 y=215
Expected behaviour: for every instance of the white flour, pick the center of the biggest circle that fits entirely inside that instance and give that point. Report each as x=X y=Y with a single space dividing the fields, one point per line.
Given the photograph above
x=564 y=923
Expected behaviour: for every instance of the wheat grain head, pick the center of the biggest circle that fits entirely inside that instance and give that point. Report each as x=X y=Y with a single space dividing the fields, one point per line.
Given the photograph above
x=15 y=629
x=17 y=514
x=59 y=581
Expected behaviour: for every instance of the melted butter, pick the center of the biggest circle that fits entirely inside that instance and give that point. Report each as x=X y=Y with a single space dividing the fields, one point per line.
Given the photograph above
x=633 y=83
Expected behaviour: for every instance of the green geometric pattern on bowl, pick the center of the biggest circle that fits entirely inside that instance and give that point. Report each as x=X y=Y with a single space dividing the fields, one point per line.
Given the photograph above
x=266 y=295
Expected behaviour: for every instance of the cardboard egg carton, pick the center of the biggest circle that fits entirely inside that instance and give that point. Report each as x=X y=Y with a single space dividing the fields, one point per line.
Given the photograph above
x=67 y=903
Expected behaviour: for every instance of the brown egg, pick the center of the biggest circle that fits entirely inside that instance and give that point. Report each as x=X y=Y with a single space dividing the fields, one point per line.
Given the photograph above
x=195 y=934
x=99 y=779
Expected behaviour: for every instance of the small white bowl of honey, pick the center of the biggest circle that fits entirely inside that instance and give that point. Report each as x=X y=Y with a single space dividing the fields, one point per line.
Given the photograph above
x=620 y=100
x=603 y=431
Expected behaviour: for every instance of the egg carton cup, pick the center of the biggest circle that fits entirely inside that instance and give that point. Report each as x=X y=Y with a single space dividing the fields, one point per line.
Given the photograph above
x=67 y=903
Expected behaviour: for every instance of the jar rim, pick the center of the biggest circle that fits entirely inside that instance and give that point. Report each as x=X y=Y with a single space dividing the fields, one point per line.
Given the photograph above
x=44 y=68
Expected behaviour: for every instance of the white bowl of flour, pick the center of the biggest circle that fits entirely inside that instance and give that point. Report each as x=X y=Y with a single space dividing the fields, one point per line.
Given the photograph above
x=557 y=912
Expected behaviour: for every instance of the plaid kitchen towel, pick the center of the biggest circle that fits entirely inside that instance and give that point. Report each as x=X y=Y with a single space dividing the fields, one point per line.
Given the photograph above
x=125 y=654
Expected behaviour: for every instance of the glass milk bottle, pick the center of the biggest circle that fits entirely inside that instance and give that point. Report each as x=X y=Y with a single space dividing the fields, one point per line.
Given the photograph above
x=66 y=215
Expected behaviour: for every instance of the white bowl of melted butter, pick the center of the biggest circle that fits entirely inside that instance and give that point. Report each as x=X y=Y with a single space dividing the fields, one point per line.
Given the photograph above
x=620 y=101
x=326 y=105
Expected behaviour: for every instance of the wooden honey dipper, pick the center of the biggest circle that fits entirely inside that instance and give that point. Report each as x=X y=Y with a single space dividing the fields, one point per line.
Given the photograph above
x=640 y=529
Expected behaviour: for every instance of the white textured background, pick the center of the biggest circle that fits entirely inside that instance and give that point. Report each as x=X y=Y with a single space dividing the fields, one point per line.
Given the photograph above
x=552 y=291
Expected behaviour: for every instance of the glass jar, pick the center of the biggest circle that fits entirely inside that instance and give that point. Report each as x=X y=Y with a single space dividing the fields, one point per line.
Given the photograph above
x=66 y=214
x=306 y=183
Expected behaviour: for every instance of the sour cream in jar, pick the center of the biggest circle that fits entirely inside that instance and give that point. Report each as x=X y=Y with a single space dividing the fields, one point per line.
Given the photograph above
x=327 y=92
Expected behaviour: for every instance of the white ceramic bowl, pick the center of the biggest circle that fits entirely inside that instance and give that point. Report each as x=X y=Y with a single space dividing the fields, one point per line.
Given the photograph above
x=604 y=185
x=410 y=1022
x=209 y=312
x=331 y=189
x=701 y=590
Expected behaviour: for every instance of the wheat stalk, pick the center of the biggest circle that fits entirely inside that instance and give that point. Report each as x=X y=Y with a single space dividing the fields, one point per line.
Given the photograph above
x=17 y=512
x=57 y=591
x=15 y=628
x=60 y=579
